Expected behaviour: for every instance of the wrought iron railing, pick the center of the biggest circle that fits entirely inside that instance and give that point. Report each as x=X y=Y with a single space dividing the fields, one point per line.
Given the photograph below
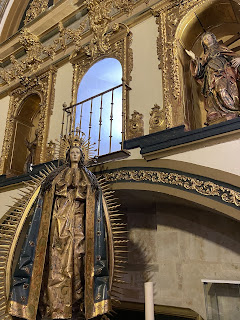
x=102 y=118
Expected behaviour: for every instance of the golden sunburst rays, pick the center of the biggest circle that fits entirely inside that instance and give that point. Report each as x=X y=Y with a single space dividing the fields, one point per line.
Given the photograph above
x=10 y=228
x=76 y=138
x=119 y=240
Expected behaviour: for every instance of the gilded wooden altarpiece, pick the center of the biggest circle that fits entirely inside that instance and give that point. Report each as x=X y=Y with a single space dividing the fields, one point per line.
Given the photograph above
x=169 y=15
x=44 y=86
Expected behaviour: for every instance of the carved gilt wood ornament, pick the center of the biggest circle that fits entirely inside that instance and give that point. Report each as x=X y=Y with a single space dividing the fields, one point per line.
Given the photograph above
x=168 y=18
x=98 y=22
x=36 y=8
x=157 y=119
x=135 y=125
x=44 y=86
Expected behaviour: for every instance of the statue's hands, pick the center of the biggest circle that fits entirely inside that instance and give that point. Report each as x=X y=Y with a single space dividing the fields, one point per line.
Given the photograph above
x=236 y=62
x=191 y=54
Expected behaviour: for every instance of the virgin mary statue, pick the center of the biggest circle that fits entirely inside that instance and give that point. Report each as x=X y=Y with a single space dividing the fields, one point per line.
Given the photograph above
x=65 y=265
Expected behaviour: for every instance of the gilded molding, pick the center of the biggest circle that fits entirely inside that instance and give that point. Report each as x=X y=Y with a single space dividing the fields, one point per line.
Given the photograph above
x=44 y=86
x=179 y=180
x=135 y=126
x=36 y=8
x=157 y=119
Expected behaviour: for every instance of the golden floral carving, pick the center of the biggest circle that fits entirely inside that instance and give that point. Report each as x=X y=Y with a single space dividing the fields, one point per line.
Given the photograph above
x=35 y=53
x=157 y=119
x=67 y=35
x=43 y=85
x=135 y=125
x=205 y=188
x=36 y=8
x=100 y=17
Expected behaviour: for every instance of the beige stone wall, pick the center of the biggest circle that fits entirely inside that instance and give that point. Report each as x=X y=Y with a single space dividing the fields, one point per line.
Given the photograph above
x=146 y=81
x=175 y=246
x=63 y=93
x=223 y=156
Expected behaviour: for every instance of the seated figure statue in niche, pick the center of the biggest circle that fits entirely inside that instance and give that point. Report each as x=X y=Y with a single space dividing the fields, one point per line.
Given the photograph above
x=66 y=265
x=218 y=72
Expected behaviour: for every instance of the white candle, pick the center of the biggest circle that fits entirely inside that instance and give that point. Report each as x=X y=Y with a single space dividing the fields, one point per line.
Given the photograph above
x=149 y=304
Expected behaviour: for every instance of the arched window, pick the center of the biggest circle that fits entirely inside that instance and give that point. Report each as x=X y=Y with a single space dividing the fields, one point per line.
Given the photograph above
x=99 y=113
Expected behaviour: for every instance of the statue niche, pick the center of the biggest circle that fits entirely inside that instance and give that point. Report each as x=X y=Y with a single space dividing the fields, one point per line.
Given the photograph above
x=217 y=70
x=24 y=145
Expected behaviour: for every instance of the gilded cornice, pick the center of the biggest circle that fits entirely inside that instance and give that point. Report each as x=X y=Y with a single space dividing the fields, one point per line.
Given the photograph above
x=92 y=36
x=210 y=188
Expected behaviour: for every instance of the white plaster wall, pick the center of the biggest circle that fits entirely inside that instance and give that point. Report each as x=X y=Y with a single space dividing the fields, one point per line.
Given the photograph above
x=146 y=81
x=4 y=105
x=63 y=93
x=223 y=156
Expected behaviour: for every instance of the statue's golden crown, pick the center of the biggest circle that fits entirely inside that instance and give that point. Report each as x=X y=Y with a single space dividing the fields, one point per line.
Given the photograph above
x=76 y=139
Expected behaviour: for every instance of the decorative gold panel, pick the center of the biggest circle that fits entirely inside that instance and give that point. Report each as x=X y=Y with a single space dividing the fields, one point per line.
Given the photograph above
x=157 y=119
x=135 y=125
x=44 y=86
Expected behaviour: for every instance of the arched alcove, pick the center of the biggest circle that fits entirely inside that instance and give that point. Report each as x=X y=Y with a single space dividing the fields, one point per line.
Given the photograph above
x=219 y=17
x=177 y=243
x=26 y=122
x=100 y=113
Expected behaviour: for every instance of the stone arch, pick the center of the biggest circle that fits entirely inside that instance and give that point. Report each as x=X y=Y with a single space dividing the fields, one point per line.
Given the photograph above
x=183 y=243
x=211 y=188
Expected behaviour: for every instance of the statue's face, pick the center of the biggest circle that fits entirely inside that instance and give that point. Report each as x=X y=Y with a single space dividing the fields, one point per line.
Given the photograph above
x=75 y=155
x=208 y=39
